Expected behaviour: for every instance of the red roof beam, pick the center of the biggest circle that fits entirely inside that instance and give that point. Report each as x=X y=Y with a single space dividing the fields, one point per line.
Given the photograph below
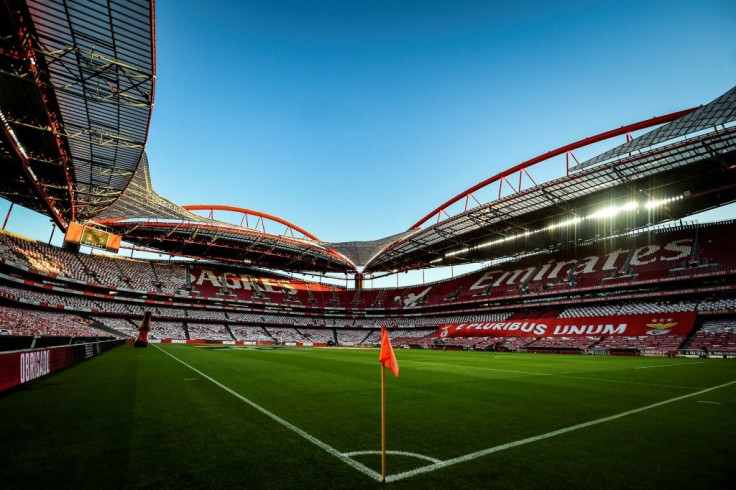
x=246 y=212
x=559 y=151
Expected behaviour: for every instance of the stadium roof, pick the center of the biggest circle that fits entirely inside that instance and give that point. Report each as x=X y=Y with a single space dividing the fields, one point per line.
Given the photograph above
x=144 y=217
x=76 y=94
x=719 y=112
x=662 y=175
x=654 y=183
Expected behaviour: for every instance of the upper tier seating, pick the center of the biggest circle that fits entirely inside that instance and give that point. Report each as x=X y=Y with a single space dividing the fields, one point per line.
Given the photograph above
x=614 y=262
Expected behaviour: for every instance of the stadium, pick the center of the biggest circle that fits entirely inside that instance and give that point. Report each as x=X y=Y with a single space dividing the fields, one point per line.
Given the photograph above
x=588 y=339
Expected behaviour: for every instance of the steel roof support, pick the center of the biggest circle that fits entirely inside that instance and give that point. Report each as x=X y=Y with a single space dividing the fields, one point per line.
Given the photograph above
x=546 y=156
x=36 y=66
x=290 y=227
x=37 y=186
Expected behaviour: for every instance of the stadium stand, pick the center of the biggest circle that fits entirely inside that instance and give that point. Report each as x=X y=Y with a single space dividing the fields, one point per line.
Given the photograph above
x=715 y=336
x=207 y=331
x=566 y=342
x=168 y=330
x=627 y=309
x=318 y=335
x=201 y=314
x=349 y=337
x=251 y=334
x=722 y=305
x=604 y=278
x=658 y=344
x=45 y=323
x=287 y=335
x=122 y=326
x=716 y=247
x=169 y=277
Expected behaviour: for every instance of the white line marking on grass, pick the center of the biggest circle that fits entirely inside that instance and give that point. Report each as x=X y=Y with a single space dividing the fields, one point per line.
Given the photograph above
x=486 y=452
x=668 y=365
x=482 y=368
x=329 y=449
x=560 y=375
x=625 y=381
x=711 y=403
x=397 y=453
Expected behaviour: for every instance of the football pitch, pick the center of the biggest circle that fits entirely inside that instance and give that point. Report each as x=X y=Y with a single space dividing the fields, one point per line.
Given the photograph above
x=181 y=416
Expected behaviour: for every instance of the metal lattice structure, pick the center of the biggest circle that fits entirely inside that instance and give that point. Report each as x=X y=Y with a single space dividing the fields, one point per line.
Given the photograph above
x=145 y=218
x=680 y=168
x=86 y=72
x=707 y=118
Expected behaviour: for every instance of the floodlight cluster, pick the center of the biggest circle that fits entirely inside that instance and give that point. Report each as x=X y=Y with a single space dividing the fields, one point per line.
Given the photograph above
x=603 y=213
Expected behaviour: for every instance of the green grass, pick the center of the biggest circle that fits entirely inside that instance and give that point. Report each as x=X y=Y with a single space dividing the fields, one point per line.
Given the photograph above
x=139 y=418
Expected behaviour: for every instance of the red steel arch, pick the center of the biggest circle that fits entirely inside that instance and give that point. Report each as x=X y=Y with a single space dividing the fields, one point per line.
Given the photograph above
x=546 y=156
x=249 y=212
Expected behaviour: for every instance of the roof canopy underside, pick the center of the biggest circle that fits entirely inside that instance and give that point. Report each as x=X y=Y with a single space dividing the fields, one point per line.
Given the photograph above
x=689 y=164
x=145 y=218
x=77 y=82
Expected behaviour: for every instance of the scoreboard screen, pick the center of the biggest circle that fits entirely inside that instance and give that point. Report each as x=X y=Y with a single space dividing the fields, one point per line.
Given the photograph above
x=92 y=237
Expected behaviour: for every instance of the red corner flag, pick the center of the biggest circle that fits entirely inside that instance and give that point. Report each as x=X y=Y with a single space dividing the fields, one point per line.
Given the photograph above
x=387 y=357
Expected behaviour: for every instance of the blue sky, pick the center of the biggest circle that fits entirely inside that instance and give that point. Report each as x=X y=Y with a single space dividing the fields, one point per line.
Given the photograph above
x=353 y=119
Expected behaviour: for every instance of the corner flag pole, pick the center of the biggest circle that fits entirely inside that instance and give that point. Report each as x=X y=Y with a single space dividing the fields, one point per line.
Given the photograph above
x=383 y=424
x=387 y=360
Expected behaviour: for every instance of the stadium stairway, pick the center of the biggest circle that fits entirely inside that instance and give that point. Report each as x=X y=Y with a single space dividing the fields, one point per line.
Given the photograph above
x=229 y=331
x=310 y=296
x=379 y=299
x=366 y=337
x=592 y=346
x=532 y=342
x=121 y=273
x=273 y=339
x=689 y=337
x=90 y=273
x=626 y=267
x=695 y=253
x=156 y=281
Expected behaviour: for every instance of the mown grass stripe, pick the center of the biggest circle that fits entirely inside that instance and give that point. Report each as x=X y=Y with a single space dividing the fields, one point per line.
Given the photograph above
x=586 y=378
x=509 y=445
x=327 y=448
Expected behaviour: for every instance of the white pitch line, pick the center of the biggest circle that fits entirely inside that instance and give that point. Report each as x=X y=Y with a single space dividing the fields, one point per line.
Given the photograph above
x=397 y=453
x=483 y=368
x=327 y=448
x=710 y=403
x=668 y=365
x=625 y=381
x=561 y=375
x=485 y=452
